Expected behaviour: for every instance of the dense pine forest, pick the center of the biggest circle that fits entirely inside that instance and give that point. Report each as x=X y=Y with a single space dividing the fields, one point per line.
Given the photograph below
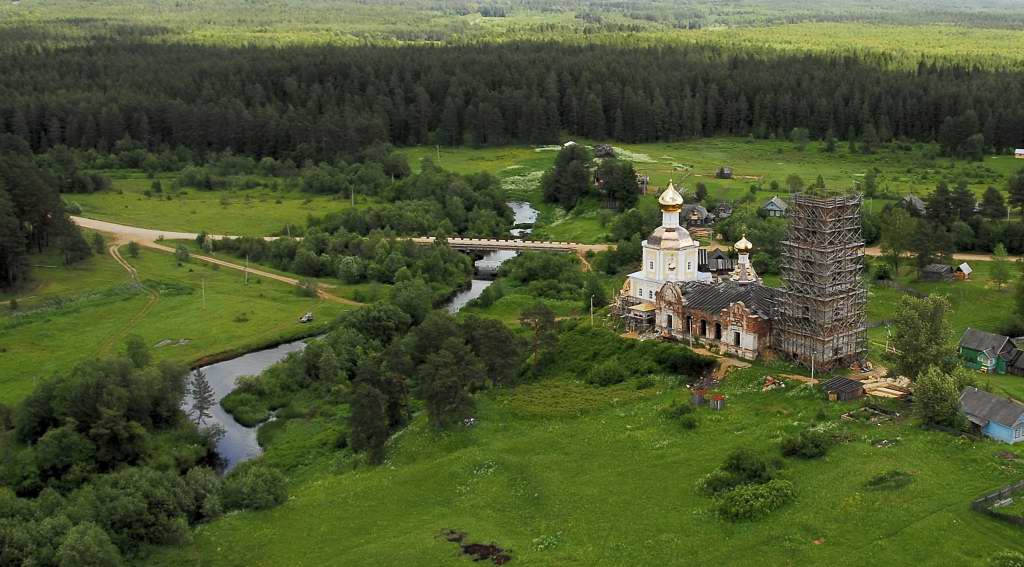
x=314 y=102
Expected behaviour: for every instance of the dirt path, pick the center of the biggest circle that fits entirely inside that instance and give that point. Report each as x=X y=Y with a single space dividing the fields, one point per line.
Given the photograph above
x=963 y=256
x=154 y=297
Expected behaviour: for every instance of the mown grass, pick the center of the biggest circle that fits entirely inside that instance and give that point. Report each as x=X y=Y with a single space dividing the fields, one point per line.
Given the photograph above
x=564 y=474
x=94 y=319
x=259 y=211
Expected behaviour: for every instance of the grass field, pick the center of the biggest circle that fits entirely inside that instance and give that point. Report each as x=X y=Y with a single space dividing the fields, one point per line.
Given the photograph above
x=88 y=310
x=249 y=212
x=560 y=473
x=912 y=171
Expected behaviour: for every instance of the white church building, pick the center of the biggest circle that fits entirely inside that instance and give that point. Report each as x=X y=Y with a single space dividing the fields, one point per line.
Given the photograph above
x=675 y=293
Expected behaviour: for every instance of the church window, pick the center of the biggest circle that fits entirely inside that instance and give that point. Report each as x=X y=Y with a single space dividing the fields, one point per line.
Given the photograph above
x=652 y=265
x=689 y=266
x=650 y=294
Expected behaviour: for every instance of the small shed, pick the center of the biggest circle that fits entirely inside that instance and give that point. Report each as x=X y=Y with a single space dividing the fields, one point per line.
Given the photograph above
x=698 y=396
x=724 y=172
x=937 y=273
x=696 y=215
x=1018 y=153
x=718 y=262
x=843 y=389
x=775 y=207
x=1000 y=418
x=723 y=210
x=963 y=271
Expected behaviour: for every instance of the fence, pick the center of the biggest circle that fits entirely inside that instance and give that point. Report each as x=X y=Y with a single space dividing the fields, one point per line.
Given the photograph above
x=986 y=504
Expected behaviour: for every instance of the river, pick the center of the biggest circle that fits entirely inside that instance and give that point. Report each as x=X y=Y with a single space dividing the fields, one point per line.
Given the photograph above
x=239 y=443
x=524 y=214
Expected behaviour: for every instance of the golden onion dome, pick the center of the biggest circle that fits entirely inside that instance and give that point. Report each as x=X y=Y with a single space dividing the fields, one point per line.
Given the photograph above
x=670 y=200
x=743 y=245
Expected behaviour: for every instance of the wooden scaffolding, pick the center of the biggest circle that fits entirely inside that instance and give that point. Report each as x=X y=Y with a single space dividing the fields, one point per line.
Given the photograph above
x=821 y=318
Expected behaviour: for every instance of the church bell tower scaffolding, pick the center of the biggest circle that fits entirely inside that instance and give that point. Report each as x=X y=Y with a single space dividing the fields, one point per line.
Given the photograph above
x=821 y=319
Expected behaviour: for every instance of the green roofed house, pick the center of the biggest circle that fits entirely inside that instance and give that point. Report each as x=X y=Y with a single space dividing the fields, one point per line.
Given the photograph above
x=985 y=351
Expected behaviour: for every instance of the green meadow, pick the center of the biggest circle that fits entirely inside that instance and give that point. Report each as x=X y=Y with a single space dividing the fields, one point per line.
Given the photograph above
x=902 y=170
x=81 y=312
x=262 y=210
x=563 y=473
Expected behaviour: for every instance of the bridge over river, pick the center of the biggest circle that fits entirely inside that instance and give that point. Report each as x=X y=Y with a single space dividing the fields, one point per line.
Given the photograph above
x=487 y=244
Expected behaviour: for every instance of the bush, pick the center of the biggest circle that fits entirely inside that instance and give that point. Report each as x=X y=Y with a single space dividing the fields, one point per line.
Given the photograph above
x=808 y=444
x=254 y=488
x=753 y=501
x=890 y=480
x=1007 y=559
x=681 y=413
x=607 y=373
x=307 y=288
x=742 y=466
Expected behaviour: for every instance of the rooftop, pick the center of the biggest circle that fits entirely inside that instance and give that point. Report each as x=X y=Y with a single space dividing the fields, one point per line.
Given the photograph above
x=985 y=407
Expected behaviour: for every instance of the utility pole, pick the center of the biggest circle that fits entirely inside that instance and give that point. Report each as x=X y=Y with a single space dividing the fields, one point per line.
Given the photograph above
x=204 y=292
x=591 y=310
x=246 y=269
x=352 y=194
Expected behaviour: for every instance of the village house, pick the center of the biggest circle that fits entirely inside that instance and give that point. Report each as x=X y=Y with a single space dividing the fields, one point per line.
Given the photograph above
x=723 y=210
x=775 y=207
x=987 y=352
x=1000 y=418
x=724 y=172
x=696 y=215
x=963 y=271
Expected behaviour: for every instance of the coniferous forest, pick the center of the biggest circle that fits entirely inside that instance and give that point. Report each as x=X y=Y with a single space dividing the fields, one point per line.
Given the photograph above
x=312 y=102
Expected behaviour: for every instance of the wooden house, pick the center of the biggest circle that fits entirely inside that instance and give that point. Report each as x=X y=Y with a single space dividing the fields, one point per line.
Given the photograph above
x=724 y=172
x=604 y=151
x=987 y=352
x=937 y=273
x=842 y=389
x=775 y=207
x=963 y=271
x=994 y=416
x=723 y=210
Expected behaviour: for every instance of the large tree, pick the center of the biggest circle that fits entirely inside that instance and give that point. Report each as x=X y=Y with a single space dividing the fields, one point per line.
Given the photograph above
x=921 y=334
x=569 y=180
x=618 y=183
x=444 y=381
x=937 y=396
x=898 y=229
x=368 y=421
x=1016 y=188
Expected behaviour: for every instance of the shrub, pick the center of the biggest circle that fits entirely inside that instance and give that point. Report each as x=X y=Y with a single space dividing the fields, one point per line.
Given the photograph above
x=890 y=480
x=809 y=444
x=607 y=373
x=254 y=488
x=645 y=383
x=688 y=421
x=307 y=288
x=742 y=466
x=1007 y=558
x=753 y=501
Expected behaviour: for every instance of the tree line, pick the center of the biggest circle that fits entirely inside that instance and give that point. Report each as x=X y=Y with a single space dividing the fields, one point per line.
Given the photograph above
x=316 y=101
x=32 y=216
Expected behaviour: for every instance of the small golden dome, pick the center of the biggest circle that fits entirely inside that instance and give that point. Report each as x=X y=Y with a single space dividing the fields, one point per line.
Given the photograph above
x=743 y=245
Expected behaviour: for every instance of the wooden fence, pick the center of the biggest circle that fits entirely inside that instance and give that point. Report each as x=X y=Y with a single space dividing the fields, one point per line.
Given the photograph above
x=987 y=504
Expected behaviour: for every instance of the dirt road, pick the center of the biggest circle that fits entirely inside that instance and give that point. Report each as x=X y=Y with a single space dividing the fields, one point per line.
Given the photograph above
x=150 y=239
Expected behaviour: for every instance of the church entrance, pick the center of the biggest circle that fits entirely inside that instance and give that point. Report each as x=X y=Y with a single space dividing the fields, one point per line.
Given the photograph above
x=736 y=339
x=668 y=322
x=718 y=331
x=703 y=328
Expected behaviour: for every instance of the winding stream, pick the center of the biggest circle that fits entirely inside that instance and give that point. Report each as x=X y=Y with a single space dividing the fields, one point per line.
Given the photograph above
x=239 y=443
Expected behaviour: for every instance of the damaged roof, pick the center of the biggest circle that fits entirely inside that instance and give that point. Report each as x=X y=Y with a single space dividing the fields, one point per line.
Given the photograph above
x=714 y=297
